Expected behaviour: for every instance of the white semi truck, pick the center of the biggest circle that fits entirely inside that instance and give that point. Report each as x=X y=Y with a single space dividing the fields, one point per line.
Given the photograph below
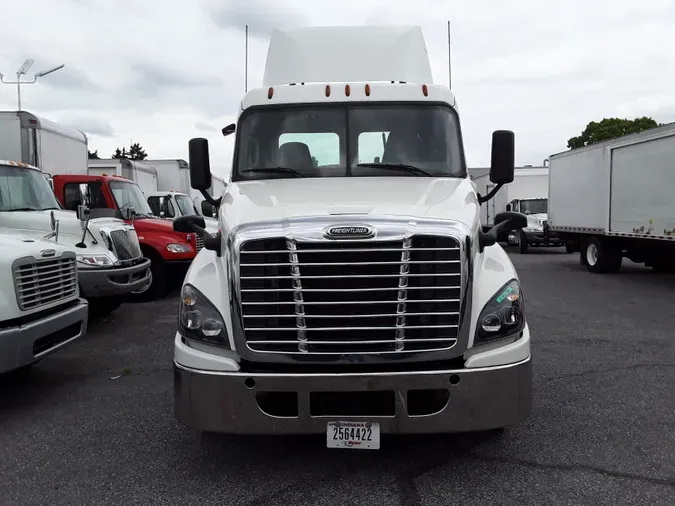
x=350 y=290
x=40 y=307
x=108 y=252
x=615 y=200
x=528 y=194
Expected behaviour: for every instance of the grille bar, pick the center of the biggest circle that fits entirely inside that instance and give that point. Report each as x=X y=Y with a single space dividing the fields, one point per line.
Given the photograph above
x=125 y=244
x=316 y=298
x=199 y=242
x=43 y=282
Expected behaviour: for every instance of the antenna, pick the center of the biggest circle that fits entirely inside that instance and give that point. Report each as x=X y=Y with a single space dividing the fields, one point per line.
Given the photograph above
x=246 y=64
x=449 y=60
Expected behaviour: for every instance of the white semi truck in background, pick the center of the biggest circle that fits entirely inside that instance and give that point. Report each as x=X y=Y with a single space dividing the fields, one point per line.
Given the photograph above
x=40 y=307
x=350 y=289
x=108 y=252
x=528 y=194
x=615 y=200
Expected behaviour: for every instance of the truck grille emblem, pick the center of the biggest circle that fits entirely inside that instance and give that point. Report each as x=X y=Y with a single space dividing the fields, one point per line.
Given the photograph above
x=47 y=253
x=349 y=232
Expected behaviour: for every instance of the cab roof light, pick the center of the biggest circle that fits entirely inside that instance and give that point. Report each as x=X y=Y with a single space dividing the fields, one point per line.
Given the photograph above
x=367 y=90
x=425 y=90
x=328 y=90
x=270 y=93
x=347 y=90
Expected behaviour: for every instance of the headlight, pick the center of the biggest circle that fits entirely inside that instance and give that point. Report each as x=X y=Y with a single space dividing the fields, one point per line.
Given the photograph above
x=503 y=315
x=179 y=248
x=95 y=260
x=534 y=225
x=199 y=319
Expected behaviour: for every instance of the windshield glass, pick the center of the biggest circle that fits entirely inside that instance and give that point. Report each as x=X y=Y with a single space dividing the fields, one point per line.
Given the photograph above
x=534 y=206
x=129 y=194
x=335 y=141
x=25 y=190
x=186 y=206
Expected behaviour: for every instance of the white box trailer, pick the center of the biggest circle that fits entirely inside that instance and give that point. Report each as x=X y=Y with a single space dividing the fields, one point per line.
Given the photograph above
x=141 y=173
x=615 y=199
x=53 y=148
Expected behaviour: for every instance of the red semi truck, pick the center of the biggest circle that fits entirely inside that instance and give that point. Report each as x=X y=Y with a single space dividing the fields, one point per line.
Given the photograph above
x=170 y=252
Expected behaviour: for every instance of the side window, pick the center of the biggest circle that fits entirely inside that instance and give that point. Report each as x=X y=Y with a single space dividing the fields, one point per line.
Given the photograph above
x=370 y=146
x=322 y=147
x=170 y=211
x=71 y=196
x=153 y=202
x=96 y=196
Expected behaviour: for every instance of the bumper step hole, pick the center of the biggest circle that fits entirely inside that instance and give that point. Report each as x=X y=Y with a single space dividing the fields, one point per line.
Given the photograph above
x=249 y=382
x=352 y=403
x=427 y=402
x=281 y=404
x=454 y=379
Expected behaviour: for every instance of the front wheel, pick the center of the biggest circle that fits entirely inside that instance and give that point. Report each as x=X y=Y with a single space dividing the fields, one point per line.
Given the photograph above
x=522 y=242
x=158 y=285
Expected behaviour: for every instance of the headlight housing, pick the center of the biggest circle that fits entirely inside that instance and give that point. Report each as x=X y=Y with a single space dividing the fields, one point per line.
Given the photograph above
x=199 y=319
x=534 y=225
x=95 y=260
x=179 y=248
x=503 y=315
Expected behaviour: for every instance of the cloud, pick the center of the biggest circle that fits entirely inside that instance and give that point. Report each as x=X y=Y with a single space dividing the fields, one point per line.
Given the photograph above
x=205 y=127
x=261 y=16
x=90 y=125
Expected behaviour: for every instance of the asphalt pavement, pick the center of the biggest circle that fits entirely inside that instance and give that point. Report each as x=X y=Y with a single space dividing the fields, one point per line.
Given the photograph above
x=93 y=424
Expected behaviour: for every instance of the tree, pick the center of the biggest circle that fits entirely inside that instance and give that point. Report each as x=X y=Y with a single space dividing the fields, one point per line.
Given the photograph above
x=135 y=152
x=315 y=162
x=610 y=128
x=93 y=155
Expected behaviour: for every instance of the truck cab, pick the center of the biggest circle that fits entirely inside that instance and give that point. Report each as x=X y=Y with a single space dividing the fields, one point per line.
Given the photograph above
x=350 y=289
x=170 y=252
x=172 y=204
x=537 y=232
x=108 y=254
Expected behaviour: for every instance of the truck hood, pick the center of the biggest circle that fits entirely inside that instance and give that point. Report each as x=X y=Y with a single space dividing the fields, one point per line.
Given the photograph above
x=361 y=197
x=21 y=245
x=37 y=224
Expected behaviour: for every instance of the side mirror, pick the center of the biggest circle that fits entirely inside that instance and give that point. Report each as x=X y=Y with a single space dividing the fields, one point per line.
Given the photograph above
x=187 y=224
x=515 y=220
x=502 y=165
x=200 y=168
x=508 y=207
x=127 y=212
x=229 y=129
x=82 y=212
x=207 y=209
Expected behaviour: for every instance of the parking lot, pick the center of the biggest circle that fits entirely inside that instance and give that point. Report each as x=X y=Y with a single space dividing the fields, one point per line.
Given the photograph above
x=93 y=424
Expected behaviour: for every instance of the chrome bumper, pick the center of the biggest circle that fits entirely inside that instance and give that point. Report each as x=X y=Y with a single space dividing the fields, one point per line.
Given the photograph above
x=28 y=343
x=114 y=282
x=479 y=399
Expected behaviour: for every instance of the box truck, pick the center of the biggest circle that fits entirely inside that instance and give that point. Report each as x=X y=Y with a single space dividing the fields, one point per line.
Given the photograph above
x=350 y=289
x=614 y=200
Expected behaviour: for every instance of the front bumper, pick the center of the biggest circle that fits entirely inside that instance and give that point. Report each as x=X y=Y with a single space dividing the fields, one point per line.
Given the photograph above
x=117 y=281
x=480 y=398
x=542 y=238
x=25 y=344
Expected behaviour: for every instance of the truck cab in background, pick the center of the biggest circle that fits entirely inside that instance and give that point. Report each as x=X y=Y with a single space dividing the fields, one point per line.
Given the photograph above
x=109 y=257
x=350 y=289
x=170 y=252
x=537 y=231
x=40 y=307
x=171 y=205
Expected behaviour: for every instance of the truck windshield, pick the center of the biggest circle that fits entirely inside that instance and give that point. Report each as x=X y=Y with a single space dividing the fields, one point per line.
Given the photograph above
x=349 y=141
x=129 y=194
x=534 y=206
x=186 y=206
x=25 y=190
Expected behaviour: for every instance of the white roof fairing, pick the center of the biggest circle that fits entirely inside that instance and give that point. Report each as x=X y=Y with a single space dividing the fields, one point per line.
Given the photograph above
x=347 y=54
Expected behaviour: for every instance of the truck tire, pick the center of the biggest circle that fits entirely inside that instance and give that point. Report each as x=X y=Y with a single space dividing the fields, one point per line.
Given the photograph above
x=522 y=242
x=601 y=257
x=569 y=248
x=158 y=287
x=103 y=306
x=663 y=266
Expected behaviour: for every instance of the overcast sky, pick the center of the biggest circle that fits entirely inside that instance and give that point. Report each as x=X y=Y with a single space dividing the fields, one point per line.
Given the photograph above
x=161 y=72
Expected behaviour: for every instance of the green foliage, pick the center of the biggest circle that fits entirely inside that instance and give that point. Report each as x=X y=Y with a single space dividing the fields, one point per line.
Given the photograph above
x=610 y=128
x=93 y=155
x=135 y=152
x=315 y=161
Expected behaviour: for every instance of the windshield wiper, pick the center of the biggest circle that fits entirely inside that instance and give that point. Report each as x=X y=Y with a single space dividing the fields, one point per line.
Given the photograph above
x=396 y=166
x=280 y=170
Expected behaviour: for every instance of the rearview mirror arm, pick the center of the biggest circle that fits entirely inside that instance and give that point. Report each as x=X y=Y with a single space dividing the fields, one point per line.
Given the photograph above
x=490 y=194
x=211 y=242
x=210 y=199
x=489 y=238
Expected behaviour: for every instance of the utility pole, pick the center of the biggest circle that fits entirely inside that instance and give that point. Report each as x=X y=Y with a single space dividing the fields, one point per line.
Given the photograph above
x=22 y=71
x=449 y=60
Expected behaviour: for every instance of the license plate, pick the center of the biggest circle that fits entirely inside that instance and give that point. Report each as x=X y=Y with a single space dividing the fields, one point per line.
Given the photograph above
x=353 y=435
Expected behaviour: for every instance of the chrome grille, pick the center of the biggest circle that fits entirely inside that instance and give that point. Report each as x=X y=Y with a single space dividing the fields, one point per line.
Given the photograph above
x=199 y=242
x=350 y=296
x=44 y=282
x=125 y=244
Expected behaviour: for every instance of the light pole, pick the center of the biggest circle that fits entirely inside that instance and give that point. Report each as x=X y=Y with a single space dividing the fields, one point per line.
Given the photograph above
x=22 y=71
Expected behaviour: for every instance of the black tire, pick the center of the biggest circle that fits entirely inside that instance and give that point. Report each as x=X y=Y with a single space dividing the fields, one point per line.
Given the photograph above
x=601 y=257
x=158 y=286
x=569 y=248
x=99 y=308
x=522 y=242
x=664 y=267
